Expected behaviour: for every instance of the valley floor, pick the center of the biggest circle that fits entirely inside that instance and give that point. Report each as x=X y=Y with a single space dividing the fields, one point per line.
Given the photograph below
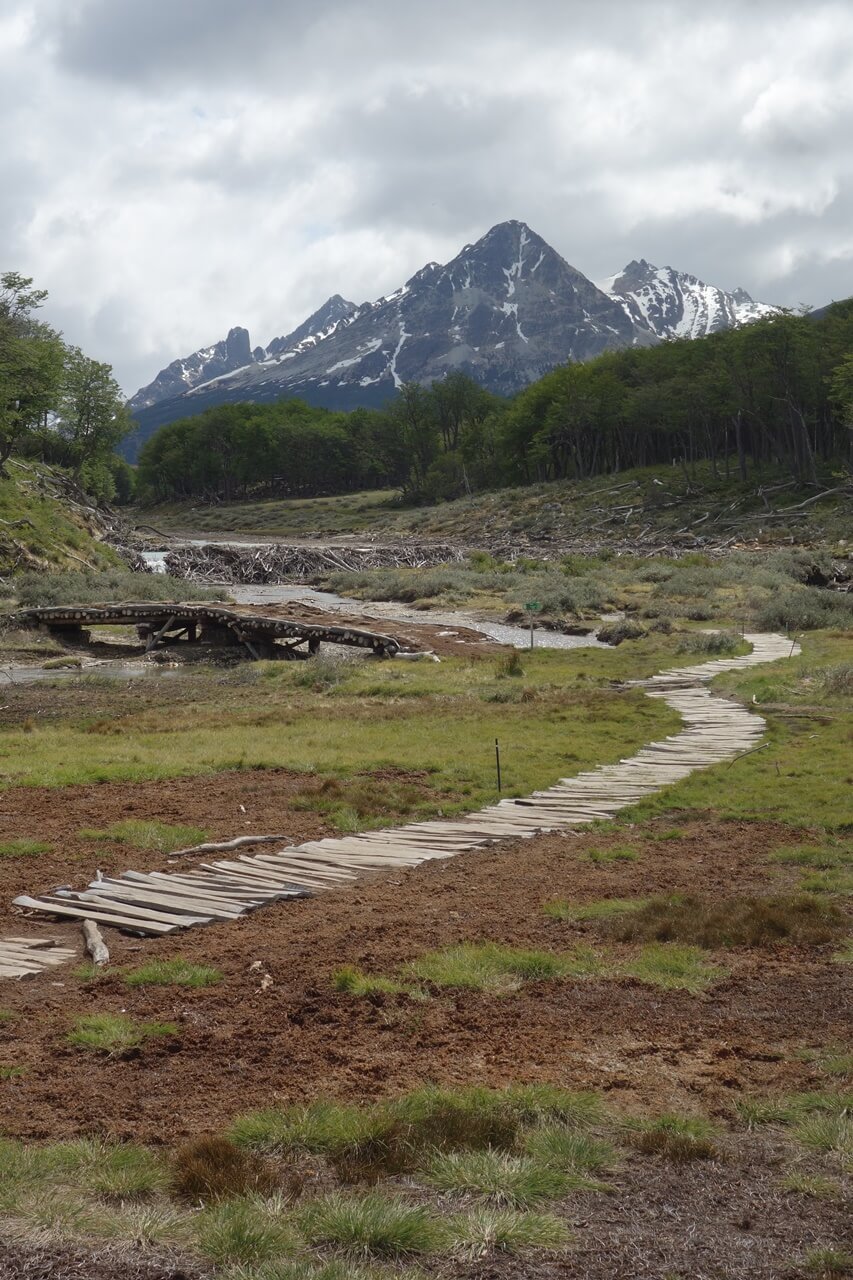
x=706 y=1079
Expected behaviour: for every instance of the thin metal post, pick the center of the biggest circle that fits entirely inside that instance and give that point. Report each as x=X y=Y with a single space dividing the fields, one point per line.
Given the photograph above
x=498 y=761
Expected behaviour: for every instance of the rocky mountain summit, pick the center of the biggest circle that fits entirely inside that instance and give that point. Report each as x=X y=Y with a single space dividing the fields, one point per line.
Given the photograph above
x=673 y=304
x=505 y=310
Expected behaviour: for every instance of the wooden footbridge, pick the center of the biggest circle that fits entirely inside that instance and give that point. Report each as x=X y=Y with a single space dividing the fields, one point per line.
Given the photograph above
x=158 y=903
x=161 y=624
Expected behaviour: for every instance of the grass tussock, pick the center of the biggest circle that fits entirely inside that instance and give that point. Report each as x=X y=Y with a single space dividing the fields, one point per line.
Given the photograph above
x=814 y=1185
x=571 y=1152
x=673 y=967
x=213 y=1168
x=741 y=921
x=162 y=837
x=372 y=1225
x=675 y=1137
x=605 y=909
x=828 y=1264
x=505 y=1179
x=492 y=1230
x=180 y=973
x=491 y=967
x=352 y=982
x=23 y=847
x=116 y=1033
x=248 y=1230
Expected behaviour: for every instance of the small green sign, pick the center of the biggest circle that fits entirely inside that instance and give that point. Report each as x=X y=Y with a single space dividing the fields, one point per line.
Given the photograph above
x=533 y=606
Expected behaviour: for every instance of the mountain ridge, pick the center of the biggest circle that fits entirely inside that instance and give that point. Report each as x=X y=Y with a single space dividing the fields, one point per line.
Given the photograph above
x=505 y=310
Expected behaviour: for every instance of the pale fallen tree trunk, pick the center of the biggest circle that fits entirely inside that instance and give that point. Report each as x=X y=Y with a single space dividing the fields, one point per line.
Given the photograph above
x=95 y=944
x=226 y=844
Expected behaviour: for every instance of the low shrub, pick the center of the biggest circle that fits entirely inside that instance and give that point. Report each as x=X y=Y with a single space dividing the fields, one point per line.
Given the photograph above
x=113 y=586
x=709 y=642
x=615 y=633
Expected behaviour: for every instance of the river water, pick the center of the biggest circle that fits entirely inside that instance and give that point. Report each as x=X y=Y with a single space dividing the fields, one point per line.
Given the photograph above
x=285 y=593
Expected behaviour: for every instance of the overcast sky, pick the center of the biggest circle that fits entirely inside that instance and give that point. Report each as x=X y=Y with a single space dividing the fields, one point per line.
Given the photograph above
x=170 y=168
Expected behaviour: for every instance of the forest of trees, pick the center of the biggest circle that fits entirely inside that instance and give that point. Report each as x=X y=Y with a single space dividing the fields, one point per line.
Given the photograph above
x=55 y=402
x=778 y=391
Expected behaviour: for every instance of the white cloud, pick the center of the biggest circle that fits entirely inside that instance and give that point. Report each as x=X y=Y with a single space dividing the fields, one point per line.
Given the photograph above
x=169 y=170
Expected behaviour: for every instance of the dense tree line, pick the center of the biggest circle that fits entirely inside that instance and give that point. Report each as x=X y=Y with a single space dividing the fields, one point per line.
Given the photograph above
x=777 y=391
x=55 y=402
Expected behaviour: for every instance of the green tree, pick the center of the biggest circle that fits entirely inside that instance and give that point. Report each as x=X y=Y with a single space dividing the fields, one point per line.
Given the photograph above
x=31 y=362
x=91 y=419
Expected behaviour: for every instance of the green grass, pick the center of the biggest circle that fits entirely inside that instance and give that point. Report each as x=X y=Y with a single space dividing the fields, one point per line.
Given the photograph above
x=173 y=973
x=490 y=967
x=828 y=1264
x=246 y=1230
x=673 y=967
x=431 y=722
x=164 y=837
x=617 y=854
x=674 y=1137
x=321 y=1128
x=10 y=1072
x=568 y=1150
x=602 y=910
x=493 y=1230
x=827 y=1135
x=811 y=1184
x=351 y=981
x=804 y=771
x=23 y=847
x=115 y=1032
x=49 y=530
x=519 y=1181
x=372 y=1224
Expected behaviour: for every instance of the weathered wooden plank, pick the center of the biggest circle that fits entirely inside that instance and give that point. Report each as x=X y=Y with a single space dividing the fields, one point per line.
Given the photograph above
x=83 y=911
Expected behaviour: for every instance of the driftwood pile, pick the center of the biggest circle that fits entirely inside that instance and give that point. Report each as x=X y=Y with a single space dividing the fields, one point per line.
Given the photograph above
x=281 y=562
x=628 y=521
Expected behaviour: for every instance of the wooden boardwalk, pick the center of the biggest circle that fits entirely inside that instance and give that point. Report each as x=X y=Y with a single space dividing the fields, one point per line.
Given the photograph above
x=167 y=623
x=158 y=903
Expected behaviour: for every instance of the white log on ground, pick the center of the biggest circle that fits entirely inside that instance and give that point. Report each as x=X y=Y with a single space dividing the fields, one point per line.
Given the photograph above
x=95 y=944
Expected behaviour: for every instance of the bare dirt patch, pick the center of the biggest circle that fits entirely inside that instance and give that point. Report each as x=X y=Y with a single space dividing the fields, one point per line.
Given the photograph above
x=247 y=1043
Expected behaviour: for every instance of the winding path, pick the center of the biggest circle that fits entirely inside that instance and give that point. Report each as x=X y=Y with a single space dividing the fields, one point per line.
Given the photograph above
x=156 y=903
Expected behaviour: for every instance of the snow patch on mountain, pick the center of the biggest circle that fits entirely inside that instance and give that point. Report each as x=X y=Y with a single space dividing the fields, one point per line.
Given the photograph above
x=673 y=304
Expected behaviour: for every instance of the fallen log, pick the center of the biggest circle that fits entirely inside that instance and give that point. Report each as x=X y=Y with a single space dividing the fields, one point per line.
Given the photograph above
x=221 y=845
x=95 y=944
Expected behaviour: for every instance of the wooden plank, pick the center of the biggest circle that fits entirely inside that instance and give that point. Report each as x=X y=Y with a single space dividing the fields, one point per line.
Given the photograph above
x=133 y=912
x=176 y=905
x=82 y=912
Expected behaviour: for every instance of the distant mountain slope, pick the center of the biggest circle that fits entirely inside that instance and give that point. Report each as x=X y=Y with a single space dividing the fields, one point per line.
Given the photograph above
x=505 y=310
x=184 y=374
x=673 y=304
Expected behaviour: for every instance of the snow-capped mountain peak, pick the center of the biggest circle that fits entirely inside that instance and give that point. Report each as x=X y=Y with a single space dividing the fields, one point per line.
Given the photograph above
x=673 y=304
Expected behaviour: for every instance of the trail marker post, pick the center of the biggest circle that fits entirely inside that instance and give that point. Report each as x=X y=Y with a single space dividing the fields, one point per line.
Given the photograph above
x=532 y=607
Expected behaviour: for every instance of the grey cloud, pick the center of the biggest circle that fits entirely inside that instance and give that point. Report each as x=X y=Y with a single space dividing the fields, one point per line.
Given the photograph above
x=171 y=169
